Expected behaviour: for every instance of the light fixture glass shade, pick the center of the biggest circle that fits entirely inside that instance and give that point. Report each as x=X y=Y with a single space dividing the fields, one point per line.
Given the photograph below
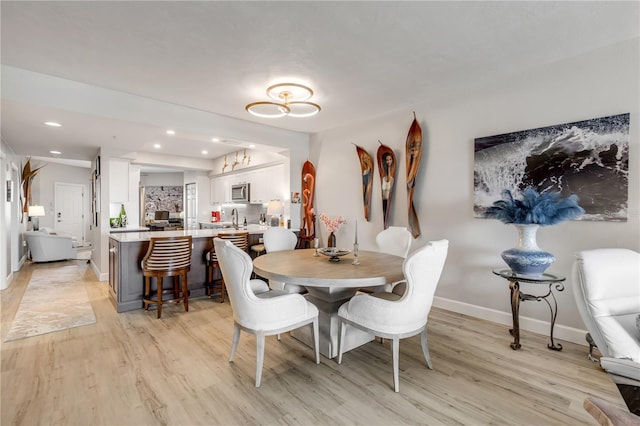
x=291 y=100
x=275 y=207
x=267 y=109
x=36 y=211
x=289 y=92
x=303 y=109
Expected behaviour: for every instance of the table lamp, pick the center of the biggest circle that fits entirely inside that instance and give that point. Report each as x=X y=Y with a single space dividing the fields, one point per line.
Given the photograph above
x=35 y=212
x=275 y=209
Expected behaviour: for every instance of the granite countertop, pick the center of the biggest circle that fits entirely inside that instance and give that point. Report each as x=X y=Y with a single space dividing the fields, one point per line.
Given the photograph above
x=195 y=233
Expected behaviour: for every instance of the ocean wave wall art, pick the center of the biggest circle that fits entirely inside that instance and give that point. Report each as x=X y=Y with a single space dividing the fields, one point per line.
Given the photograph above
x=588 y=158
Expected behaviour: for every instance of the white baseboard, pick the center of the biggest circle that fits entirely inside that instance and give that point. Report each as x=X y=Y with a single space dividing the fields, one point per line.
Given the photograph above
x=102 y=276
x=560 y=332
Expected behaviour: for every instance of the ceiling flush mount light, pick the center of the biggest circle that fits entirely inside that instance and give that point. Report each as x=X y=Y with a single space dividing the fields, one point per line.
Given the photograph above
x=171 y=132
x=52 y=124
x=289 y=99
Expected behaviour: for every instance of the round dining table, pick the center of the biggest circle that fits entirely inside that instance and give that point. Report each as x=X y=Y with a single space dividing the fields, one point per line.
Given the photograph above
x=329 y=285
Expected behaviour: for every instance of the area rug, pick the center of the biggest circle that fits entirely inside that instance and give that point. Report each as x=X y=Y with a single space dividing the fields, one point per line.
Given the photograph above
x=55 y=300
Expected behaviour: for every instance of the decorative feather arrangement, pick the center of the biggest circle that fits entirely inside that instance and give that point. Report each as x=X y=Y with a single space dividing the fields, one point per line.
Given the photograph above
x=542 y=209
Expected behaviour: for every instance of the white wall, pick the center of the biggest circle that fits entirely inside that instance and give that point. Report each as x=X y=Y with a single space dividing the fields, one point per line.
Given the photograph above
x=601 y=83
x=43 y=191
x=12 y=250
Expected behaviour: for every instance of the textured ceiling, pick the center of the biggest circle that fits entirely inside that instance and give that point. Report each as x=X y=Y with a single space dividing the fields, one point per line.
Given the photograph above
x=362 y=59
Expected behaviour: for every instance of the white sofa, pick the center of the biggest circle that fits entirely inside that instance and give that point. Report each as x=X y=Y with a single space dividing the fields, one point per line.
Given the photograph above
x=46 y=246
x=607 y=292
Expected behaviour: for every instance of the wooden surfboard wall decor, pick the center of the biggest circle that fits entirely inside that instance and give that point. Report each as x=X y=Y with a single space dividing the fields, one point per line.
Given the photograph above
x=414 y=154
x=308 y=191
x=366 y=166
x=387 y=169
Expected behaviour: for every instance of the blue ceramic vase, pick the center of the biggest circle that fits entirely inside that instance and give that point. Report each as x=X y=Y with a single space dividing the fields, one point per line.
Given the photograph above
x=527 y=258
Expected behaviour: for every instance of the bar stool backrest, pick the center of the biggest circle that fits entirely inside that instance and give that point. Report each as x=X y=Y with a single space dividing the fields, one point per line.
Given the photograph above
x=168 y=254
x=238 y=239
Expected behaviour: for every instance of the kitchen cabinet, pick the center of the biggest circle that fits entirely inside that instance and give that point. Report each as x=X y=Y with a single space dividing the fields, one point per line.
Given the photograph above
x=266 y=184
x=220 y=189
x=258 y=183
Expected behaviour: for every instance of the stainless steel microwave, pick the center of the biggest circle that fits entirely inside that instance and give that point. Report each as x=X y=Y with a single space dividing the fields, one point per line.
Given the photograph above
x=240 y=193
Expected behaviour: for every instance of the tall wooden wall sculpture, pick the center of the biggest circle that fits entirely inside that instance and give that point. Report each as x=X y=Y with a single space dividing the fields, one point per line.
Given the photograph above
x=366 y=166
x=414 y=154
x=308 y=229
x=387 y=169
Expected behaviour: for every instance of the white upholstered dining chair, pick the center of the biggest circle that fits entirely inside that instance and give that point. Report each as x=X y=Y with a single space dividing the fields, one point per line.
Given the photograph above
x=280 y=239
x=394 y=240
x=264 y=314
x=394 y=316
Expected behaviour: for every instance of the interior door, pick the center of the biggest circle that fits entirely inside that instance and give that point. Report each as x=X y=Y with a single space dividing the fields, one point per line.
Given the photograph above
x=191 y=215
x=69 y=210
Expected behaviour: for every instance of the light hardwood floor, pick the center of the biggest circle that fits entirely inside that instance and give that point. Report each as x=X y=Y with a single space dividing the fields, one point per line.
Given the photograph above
x=134 y=369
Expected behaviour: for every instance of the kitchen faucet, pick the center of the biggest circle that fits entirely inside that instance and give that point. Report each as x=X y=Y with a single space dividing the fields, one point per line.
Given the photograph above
x=234 y=218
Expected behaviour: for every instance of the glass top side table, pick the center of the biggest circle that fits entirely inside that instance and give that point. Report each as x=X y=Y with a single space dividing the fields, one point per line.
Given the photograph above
x=552 y=280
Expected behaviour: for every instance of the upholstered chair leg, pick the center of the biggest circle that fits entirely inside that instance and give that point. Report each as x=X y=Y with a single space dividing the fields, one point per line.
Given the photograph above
x=316 y=340
x=259 y=357
x=425 y=347
x=159 y=293
x=395 y=354
x=343 y=327
x=185 y=291
x=222 y=291
x=234 y=344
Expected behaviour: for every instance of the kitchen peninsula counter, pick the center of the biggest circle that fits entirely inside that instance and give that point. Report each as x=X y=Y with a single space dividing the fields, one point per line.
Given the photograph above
x=126 y=251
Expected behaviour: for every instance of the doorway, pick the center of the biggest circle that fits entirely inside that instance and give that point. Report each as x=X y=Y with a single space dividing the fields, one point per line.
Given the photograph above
x=69 y=210
x=191 y=208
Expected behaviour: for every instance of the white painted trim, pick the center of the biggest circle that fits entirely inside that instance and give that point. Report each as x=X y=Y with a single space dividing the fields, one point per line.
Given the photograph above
x=101 y=276
x=560 y=332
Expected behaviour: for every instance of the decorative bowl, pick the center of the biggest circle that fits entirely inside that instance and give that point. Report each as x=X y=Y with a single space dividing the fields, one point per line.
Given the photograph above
x=334 y=253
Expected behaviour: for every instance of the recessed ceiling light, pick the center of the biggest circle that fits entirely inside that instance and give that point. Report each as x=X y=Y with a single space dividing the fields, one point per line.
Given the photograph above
x=156 y=145
x=215 y=139
x=252 y=146
x=55 y=152
x=52 y=124
x=204 y=152
x=171 y=132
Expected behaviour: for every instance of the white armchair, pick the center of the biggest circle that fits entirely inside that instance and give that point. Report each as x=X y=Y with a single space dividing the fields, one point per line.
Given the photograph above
x=280 y=239
x=46 y=247
x=396 y=317
x=607 y=292
x=263 y=314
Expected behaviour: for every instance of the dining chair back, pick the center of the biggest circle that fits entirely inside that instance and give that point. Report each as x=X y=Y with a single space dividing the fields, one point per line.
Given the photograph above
x=264 y=314
x=240 y=240
x=394 y=240
x=396 y=317
x=166 y=257
x=281 y=239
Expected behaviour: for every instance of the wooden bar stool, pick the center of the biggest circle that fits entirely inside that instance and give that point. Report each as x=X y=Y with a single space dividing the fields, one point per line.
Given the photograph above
x=167 y=257
x=240 y=240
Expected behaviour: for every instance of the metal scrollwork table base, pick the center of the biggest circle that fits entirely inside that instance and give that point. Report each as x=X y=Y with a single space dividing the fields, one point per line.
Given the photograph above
x=553 y=281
